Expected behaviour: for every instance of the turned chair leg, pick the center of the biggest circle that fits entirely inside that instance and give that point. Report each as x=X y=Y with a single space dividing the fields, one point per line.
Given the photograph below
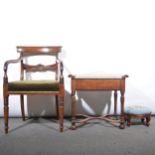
x=22 y=106
x=6 y=113
x=61 y=113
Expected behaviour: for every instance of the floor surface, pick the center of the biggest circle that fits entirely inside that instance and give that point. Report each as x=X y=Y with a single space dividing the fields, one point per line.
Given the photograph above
x=42 y=137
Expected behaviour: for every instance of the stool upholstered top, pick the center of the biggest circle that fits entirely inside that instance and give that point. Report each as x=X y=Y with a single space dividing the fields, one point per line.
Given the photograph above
x=137 y=110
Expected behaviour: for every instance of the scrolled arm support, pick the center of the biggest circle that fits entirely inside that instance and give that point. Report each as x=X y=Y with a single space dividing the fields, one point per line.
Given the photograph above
x=6 y=64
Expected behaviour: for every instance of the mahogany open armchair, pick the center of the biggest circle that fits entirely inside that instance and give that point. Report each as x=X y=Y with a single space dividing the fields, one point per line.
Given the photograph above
x=54 y=87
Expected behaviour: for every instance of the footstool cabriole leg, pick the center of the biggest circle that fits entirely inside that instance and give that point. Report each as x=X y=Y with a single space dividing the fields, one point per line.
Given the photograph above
x=128 y=120
x=148 y=118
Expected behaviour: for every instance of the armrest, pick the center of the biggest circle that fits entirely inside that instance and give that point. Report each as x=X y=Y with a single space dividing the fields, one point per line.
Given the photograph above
x=8 y=62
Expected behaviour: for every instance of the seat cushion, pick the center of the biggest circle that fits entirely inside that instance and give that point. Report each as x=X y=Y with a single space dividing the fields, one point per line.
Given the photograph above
x=137 y=110
x=34 y=85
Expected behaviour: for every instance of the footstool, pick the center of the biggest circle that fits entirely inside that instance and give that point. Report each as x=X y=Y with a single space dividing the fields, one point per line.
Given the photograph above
x=137 y=112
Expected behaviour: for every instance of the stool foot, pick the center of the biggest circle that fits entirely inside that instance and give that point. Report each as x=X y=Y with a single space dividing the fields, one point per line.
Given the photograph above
x=128 y=120
x=128 y=123
x=122 y=126
x=73 y=127
x=148 y=124
x=148 y=121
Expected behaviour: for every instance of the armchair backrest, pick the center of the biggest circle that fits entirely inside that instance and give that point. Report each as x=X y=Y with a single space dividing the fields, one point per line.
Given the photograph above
x=28 y=51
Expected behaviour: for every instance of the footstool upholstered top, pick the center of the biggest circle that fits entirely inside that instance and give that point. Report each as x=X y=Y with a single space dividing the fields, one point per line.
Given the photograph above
x=137 y=110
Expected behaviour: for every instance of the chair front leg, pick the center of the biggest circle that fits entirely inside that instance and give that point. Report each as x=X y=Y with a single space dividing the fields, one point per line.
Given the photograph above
x=61 y=112
x=6 y=113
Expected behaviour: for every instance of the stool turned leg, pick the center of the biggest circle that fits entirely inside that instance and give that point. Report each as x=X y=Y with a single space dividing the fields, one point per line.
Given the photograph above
x=122 y=117
x=115 y=102
x=73 y=124
x=73 y=104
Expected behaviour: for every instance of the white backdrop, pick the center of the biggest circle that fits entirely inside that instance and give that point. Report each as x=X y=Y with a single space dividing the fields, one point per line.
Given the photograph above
x=98 y=36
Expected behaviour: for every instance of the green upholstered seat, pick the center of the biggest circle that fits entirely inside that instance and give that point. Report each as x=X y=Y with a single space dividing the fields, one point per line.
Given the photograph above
x=34 y=85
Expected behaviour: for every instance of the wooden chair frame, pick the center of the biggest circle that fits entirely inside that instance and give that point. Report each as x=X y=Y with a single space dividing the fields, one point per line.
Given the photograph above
x=27 y=51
